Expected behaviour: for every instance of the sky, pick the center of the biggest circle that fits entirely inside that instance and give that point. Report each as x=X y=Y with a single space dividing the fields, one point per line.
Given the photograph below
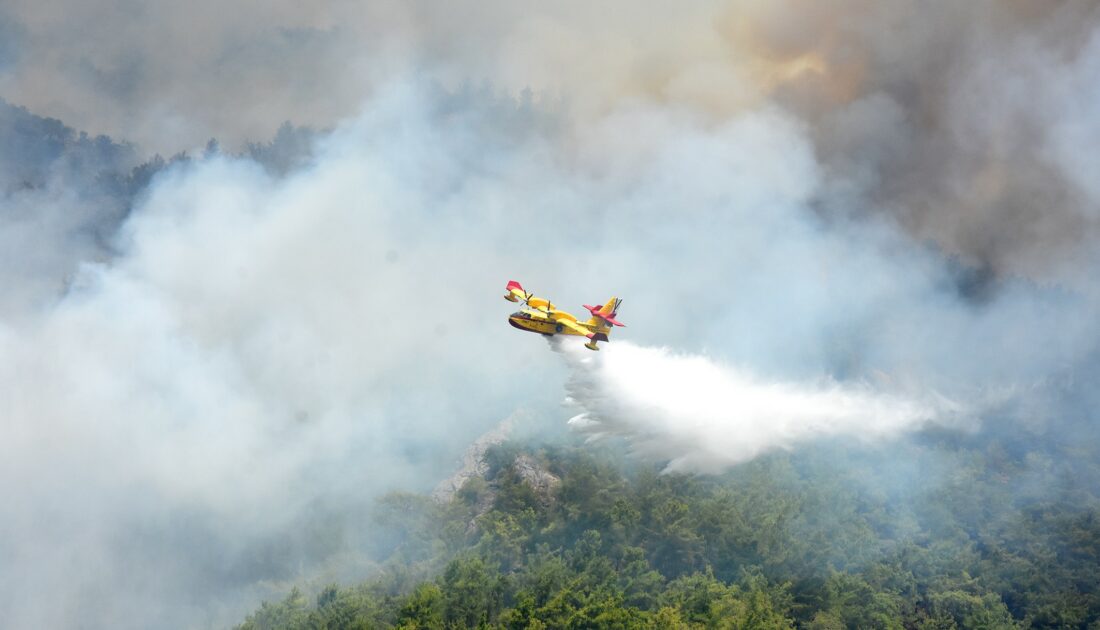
x=209 y=377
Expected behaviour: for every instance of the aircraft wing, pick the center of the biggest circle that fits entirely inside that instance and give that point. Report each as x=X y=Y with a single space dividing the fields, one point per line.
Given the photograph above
x=575 y=327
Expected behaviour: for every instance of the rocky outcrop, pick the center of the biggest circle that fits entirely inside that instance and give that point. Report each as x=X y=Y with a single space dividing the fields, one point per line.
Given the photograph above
x=541 y=480
x=473 y=465
x=473 y=460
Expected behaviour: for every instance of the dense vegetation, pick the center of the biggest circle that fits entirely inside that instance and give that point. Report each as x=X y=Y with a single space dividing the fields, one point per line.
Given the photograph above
x=936 y=534
x=37 y=151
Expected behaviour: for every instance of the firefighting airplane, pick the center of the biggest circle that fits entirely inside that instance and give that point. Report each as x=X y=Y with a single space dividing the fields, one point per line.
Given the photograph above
x=542 y=317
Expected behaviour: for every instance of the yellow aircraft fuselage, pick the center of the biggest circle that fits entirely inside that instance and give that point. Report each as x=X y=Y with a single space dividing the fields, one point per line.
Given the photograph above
x=537 y=321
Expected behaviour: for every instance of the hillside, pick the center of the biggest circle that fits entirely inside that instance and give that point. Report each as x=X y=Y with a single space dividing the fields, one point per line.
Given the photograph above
x=811 y=541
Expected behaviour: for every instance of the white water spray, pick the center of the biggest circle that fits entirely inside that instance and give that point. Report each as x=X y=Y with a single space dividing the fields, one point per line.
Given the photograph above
x=701 y=415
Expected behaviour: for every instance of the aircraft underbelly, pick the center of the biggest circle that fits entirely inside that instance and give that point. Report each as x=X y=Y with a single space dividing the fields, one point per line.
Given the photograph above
x=538 y=326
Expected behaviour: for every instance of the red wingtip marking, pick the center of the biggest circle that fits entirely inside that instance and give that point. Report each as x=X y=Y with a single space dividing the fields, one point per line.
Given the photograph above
x=512 y=284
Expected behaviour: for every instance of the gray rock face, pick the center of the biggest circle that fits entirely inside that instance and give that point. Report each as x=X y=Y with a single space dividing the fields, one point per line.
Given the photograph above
x=473 y=465
x=473 y=460
x=542 y=481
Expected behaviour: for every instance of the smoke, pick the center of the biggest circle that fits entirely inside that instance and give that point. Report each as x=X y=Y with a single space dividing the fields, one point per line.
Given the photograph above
x=210 y=411
x=955 y=120
x=204 y=388
x=207 y=414
x=702 y=416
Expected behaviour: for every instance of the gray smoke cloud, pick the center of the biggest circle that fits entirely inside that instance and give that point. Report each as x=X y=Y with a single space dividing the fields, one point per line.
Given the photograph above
x=955 y=119
x=204 y=388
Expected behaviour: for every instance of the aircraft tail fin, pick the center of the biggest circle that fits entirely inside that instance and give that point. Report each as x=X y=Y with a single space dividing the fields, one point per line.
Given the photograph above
x=605 y=315
x=611 y=307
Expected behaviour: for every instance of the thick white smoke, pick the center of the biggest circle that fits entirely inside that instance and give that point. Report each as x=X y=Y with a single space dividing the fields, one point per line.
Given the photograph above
x=214 y=409
x=703 y=416
x=262 y=356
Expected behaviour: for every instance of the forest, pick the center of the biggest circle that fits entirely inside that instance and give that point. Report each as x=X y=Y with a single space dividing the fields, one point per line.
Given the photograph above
x=947 y=531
